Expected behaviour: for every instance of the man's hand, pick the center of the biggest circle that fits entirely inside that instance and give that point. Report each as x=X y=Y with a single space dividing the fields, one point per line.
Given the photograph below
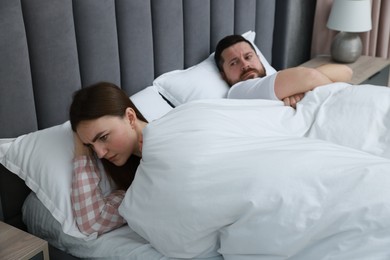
x=293 y=100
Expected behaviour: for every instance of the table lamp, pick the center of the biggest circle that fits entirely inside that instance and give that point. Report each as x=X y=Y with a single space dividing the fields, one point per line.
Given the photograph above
x=350 y=17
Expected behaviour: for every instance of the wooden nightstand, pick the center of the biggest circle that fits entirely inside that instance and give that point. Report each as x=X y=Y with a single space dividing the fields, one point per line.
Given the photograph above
x=366 y=70
x=17 y=244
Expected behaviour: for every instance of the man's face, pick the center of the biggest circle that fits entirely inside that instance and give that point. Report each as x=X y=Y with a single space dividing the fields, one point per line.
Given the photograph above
x=240 y=62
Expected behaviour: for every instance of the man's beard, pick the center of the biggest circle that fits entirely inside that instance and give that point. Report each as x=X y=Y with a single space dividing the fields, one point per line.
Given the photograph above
x=258 y=74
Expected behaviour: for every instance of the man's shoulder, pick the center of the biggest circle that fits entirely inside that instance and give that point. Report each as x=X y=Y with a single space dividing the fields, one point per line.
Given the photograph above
x=248 y=82
x=254 y=88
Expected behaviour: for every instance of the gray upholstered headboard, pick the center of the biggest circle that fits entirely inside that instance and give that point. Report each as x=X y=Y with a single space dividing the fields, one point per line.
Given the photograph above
x=50 y=48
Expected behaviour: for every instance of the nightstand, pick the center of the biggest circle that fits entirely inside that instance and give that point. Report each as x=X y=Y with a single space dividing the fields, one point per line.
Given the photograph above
x=17 y=244
x=366 y=70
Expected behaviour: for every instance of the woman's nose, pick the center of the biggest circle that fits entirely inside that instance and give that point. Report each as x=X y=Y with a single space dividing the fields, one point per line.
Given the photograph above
x=100 y=151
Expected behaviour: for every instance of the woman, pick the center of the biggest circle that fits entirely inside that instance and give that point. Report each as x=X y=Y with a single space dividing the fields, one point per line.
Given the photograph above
x=106 y=125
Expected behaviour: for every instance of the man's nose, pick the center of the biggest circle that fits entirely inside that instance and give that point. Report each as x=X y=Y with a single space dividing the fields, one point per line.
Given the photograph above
x=245 y=65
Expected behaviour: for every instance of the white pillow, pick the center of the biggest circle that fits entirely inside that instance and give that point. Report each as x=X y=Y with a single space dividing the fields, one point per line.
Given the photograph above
x=250 y=36
x=201 y=81
x=150 y=103
x=43 y=159
x=6 y=141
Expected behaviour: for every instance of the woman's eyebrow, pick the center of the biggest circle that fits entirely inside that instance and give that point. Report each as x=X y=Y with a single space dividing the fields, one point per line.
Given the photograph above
x=97 y=136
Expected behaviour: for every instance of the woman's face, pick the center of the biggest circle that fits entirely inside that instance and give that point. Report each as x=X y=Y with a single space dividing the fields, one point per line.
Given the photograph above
x=111 y=137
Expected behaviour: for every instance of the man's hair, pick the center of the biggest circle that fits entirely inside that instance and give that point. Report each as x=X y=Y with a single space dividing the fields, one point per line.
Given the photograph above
x=226 y=43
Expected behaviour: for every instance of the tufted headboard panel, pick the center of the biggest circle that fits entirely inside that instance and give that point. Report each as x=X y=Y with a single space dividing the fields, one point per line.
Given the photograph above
x=53 y=47
x=50 y=48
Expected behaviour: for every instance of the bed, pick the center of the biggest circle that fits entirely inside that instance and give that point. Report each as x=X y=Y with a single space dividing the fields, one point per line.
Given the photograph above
x=151 y=49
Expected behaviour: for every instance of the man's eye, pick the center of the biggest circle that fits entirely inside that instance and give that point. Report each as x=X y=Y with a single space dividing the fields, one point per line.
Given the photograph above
x=233 y=63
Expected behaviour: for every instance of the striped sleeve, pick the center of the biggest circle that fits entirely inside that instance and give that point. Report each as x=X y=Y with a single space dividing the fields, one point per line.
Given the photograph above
x=93 y=212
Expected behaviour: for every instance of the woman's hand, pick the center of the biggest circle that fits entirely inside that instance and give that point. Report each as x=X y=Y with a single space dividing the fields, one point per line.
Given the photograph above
x=79 y=147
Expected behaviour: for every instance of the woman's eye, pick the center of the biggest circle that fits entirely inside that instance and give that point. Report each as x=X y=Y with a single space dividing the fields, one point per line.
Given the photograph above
x=104 y=137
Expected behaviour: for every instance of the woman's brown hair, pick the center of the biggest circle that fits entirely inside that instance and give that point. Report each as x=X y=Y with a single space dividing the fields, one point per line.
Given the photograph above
x=105 y=99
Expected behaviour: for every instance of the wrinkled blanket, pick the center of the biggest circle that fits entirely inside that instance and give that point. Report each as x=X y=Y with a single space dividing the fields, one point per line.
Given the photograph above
x=253 y=179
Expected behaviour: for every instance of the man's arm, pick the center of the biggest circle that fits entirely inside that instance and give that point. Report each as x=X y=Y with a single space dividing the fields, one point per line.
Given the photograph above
x=298 y=80
x=336 y=72
x=291 y=84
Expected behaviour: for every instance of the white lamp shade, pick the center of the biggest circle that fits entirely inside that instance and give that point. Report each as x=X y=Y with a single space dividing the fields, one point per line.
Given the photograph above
x=350 y=16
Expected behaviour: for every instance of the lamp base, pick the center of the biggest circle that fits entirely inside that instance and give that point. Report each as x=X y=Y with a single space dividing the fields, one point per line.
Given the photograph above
x=346 y=47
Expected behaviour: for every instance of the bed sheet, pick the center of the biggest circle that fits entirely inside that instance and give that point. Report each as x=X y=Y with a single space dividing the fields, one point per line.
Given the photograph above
x=122 y=243
x=253 y=179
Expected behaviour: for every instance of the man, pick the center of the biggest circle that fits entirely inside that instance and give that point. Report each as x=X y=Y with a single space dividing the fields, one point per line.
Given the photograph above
x=241 y=68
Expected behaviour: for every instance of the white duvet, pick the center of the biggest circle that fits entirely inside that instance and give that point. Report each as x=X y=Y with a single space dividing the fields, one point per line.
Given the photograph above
x=253 y=179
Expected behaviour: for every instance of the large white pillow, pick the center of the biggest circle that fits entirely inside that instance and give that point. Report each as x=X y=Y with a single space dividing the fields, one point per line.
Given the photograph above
x=201 y=81
x=151 y=103
x=250 y=36
x=43 y=159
